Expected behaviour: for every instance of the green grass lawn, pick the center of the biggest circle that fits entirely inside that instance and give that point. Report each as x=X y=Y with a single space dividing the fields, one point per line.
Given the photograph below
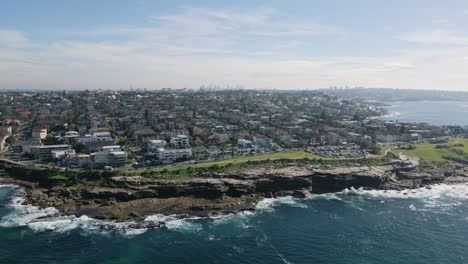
x=429 y=152
x=235 y=163
x=242 y=159
x=271 y=156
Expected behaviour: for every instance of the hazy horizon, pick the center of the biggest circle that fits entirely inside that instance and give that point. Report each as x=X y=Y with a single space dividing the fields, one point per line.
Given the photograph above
x=298 y=45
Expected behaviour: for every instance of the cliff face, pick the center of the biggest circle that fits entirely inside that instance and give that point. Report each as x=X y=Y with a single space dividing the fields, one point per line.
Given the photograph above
x=222 y=193
x=339 y=179
x=200 y=188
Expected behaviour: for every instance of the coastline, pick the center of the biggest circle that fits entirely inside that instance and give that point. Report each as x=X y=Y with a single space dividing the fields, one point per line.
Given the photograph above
x=439 y=112
x=134 y=200
x=51 y=220
x=390 y=114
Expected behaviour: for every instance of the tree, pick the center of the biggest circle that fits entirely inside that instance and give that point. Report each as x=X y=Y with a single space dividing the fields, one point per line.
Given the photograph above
x=51 y=140
x=10 y=140
x=214 y=167
x=190 y=170
x=324 y=115
x=57 y=128
x=375 y=149
x=79 y=147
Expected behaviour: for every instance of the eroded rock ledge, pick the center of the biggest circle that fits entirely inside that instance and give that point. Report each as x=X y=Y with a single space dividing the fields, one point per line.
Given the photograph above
x=134 y=197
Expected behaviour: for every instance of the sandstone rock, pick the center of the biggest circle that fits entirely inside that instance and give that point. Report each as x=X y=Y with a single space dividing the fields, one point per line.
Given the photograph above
x=212 y=194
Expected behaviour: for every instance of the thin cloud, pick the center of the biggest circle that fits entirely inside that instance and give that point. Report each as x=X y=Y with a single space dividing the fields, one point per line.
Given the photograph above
x=13 y=38
x=435 y=37
x=223 y=26
x=261 y=22
x=205 y=31
x=197 y=46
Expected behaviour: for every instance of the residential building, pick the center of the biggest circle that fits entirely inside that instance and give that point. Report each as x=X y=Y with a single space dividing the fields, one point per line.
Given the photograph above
x=96 y=137
x=221 y=137
x=109 y=157
x=39 y=133
x=177 y=132
x=385 y=138
x=154 y=144
x=180 y=141
x=62 y=153
x=244 y=143
x=71 y=137
x=51 y=119
x=172 y=155
x=45 y=151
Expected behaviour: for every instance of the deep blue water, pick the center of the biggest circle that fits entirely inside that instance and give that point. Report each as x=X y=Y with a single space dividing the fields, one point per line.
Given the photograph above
x=423 y=226
x=432 y=112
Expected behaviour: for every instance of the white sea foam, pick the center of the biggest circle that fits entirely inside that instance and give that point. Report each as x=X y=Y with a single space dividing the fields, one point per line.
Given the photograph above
x=173 y=222
x=456 y=191
x=222 y=219
x=58 y=224
x=240 y=219
x=325 y=196
x=50 y=219
x=159 y=218
x=22 y=215
x=267 y=205
x=390 y=115
x=11 y=186
x=184 y=225
x=442 y=197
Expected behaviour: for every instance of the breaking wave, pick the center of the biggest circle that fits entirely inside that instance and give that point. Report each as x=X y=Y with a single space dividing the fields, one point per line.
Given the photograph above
x=267 y=205
x=390 y=115
x=441 y=197
x=11 y=186
x=51 y=220
x=434 y=192
x=174 y=222
x=325 y=196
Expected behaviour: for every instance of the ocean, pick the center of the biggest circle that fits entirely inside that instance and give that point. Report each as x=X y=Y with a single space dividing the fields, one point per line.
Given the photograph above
x=354 y=226
x=432 y=112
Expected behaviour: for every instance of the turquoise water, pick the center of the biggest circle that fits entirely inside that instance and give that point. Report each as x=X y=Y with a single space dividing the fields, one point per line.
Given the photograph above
x=432 y=112
x=356 y=226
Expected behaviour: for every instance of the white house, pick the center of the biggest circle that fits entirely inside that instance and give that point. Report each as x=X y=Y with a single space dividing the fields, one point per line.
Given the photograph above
x=155 y=144
x=244 y=143
x=172 y=155
x=62 y=153
x=71 y=137
x=96 y=137
x=114 y=158
x=45 y=151
x=180 y=141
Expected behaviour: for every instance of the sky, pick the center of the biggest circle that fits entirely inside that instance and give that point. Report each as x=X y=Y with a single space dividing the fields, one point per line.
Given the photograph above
x=274 y=44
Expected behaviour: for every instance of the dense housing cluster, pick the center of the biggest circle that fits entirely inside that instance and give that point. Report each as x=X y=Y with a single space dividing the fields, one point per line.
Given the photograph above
x=97 y=129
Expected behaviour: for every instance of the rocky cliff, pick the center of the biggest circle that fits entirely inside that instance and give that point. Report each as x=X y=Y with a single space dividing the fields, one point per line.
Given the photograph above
x=124 y=197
